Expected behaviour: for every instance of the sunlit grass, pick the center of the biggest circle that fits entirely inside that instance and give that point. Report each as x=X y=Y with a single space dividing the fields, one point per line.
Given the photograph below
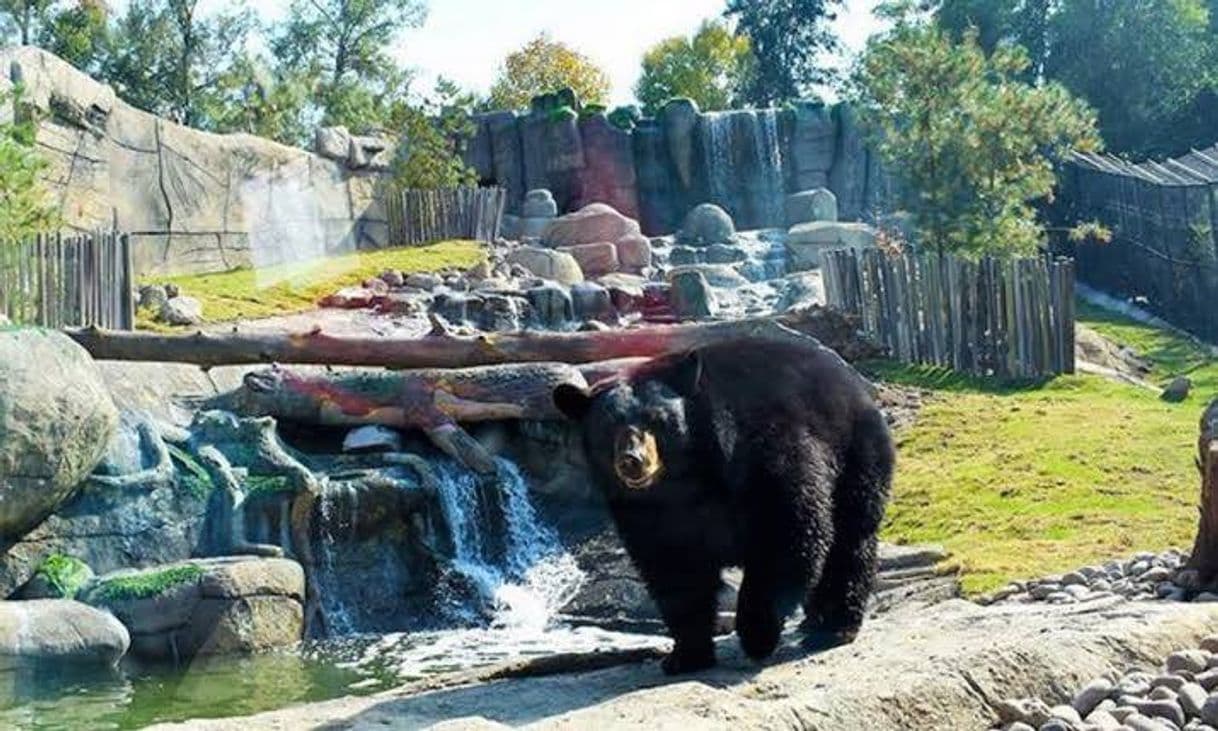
x=251 y=294
x=1023 y=480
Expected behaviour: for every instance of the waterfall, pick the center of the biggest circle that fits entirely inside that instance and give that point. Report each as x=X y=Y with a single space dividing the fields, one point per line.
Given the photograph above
x=769 y=155
x=334 y=608
x=534 y=576
x=717 y=154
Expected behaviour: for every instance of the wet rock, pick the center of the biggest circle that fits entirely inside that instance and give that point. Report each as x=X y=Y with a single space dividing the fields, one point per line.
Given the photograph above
x=634 y=253
x=56 y=420
x=691 y=296
x=594 y=259
x=718 y=275
x=539 y=203
x=212 y=606
x=372 y=438
x=592 y=302
x=801 y=290
x=551 y=305
x=626 y=291
x=725 y=254
x=684 y=255
x=499 y=313
x=181 y=311
x=423 y=280
x=59 y=631
x=707 y=224
x=810 y=206
x=557 y=266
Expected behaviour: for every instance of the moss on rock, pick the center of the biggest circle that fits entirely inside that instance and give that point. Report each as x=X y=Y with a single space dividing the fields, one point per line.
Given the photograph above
x=145 y=584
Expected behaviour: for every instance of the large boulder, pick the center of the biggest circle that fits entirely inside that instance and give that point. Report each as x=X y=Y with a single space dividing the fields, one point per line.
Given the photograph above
x=594 y=259
x=59 y=631
x=806 y=241
x=691 y=297
x=594 y=223
x=547 y=264
x=215 y=606
x=56 y=419
x=634 y=253
x=811 y=205
x=539 y=203
x=707 y=224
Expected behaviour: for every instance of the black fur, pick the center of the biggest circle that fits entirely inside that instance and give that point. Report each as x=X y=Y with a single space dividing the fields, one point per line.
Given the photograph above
x=775 y=459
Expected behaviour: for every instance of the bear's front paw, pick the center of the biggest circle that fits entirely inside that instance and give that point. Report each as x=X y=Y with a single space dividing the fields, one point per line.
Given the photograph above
x=681 y=661
x=822 y=638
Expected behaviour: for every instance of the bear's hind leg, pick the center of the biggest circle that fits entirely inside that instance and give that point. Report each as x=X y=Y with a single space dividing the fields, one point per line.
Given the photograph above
x=762 y=605
x=835 y=607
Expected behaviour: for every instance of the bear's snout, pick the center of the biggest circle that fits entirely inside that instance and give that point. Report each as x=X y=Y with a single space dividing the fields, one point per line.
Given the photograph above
x=637 y=461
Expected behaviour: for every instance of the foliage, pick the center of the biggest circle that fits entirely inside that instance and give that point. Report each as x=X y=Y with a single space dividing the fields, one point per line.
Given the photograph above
x=195 y=478
x=626 y=117
x=788 y=39
x=65 y=575
x=77 y=33
x=711 y=68
x=543 y=66
x=343 y=45
x=246 y=294
x=25 y=207
x=146 y=584
x=1161 y=54
x=436 y=132
x=972 y=144
x=22 y=19
x=170 y=59
x=266 y=485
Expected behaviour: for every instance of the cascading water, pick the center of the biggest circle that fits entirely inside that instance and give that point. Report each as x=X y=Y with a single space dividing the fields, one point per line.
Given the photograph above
x=717 y=156
x=769 y=153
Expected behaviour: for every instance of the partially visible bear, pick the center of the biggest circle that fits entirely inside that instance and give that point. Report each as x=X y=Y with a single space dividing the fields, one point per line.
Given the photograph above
x=770 y=455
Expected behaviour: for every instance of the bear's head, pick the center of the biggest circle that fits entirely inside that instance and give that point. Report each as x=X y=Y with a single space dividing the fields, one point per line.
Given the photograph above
x=636 y=429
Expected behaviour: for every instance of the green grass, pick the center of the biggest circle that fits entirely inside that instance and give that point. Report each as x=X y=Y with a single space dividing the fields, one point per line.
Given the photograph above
x=66 y=575
x=1022 y=480
x=145 y=585
x=251 y=294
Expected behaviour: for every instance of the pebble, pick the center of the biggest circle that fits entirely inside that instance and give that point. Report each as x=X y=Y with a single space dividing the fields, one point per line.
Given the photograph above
x=1192 y=699
x=1193 y=661
x=1092 y=694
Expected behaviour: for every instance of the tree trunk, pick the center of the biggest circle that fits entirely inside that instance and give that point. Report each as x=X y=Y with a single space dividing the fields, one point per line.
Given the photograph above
x=1204 y=558
x=833 y=329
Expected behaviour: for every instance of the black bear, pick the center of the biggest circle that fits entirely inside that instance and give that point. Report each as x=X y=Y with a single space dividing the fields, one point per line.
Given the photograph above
x=764 y=454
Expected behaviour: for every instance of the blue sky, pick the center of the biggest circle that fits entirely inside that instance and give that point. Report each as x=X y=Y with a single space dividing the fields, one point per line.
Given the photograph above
x=466 y=40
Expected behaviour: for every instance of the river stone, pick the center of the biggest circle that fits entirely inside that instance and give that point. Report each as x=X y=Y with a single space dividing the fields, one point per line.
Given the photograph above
x=181 y=311
x=725 y=254
x=634 y=253
x=539 y=203
x=592 y=224
x=718 y=275
x=707 y=224
x=56 y=420
x=806 y=241
x=594 y=259
x=691 y=296
x=811 y=205
x=236 y=605
x=551 y=305
x=1086 y=700
x=1190 y=661
x=558 y=266
x=592 y=302
x=59 y=630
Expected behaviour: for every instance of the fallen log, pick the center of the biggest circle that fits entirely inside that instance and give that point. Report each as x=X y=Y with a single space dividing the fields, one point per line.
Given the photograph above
x=831 y=328
x=433 y=400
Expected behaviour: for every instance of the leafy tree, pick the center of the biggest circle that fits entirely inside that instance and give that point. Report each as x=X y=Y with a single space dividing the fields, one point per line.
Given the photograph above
x=252 y=98
x=77 y=33
x=972 y=142
x=23 y=18
x=1142 y=65
x=711 y=68
x=25 y=207
x=436 y=131
x=543 y=66
x=343 y=43
x=1024 y=22
x=788 y=37
x=170 y=59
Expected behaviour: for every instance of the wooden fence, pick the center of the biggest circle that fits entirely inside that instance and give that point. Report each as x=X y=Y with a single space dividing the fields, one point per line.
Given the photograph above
x=64 y=281
x=1005 y=318
x=424 y=216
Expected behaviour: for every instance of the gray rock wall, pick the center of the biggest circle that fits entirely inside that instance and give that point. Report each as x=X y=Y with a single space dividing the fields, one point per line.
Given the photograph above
x=194 y=201
x=745 y=161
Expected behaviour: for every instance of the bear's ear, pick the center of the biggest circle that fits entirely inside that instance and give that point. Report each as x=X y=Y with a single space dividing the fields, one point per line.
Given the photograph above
x=685 y=374
x=574 y=402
